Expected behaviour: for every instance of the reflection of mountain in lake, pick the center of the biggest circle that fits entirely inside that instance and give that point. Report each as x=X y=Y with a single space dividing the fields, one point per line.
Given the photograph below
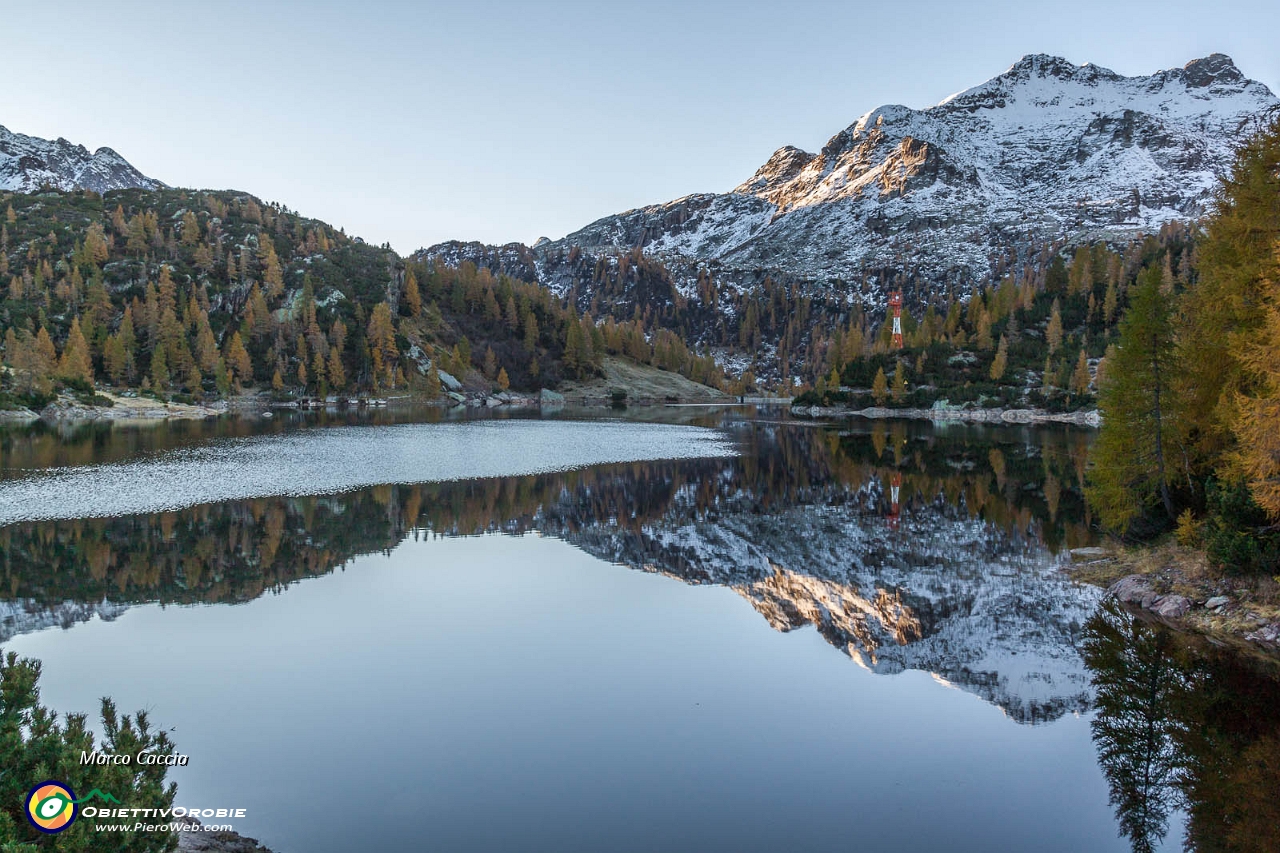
x=22 y=616
x=981 y=605
x=961 y=581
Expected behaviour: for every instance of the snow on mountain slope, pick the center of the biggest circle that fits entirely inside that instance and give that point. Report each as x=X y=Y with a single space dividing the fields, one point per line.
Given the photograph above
x=28 y=163
x=1047 y=149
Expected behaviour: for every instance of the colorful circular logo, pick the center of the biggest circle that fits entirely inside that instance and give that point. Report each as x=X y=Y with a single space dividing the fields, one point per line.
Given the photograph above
x=51 y=806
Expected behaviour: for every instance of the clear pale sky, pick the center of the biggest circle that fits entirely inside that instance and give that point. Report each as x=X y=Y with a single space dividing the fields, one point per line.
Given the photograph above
x=413 y=123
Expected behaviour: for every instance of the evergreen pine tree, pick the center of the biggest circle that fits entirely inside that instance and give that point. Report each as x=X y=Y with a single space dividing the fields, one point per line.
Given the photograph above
x=530 y=333
x=221 y=377
x=1130 y=463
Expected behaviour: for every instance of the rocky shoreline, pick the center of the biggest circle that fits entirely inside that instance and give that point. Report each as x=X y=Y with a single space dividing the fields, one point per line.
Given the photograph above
x=1218 y=614
x=1180 y=594
x=69 y=408
x=1089 y=417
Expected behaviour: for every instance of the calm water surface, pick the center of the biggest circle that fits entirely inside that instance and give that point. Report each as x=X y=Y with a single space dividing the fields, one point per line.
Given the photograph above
x=722 y=634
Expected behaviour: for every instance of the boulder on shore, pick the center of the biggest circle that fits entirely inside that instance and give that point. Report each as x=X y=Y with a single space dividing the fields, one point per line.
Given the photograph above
x=1136 y=590
x=449 y=381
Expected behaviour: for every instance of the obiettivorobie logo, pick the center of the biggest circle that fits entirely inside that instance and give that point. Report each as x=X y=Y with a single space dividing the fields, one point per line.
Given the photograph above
x=51 y=805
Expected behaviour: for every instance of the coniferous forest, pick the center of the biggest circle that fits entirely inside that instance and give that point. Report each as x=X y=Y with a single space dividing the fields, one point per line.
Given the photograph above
x=200 y=295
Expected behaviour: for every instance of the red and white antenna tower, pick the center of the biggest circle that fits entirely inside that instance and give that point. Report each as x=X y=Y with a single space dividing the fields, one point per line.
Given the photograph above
x=895 y=302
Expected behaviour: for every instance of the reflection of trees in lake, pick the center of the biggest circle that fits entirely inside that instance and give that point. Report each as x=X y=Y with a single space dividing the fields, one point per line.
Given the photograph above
x=1182 y=724
x=1135 y=729
x=1015 y=478
x=39 y=444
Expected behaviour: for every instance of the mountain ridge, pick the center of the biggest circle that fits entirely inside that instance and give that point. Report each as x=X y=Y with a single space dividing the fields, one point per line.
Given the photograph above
x=1047 y=150
x=30 y=163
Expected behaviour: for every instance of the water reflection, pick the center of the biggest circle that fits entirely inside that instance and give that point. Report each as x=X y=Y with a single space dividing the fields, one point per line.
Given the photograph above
x=906 y=547
x=1183 y=725
x=40 y=444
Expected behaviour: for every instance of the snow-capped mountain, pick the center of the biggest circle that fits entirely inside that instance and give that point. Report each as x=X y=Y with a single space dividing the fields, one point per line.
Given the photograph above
x=1047 y=150
x=28 y=163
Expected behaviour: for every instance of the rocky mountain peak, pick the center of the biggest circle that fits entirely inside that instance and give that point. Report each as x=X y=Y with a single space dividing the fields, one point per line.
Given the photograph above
x=29 y=163
x=782 y=167
x=1045 y=65
x=1214 y=68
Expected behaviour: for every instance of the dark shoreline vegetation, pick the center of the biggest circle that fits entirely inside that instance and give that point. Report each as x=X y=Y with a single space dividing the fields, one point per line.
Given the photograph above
x=35 y=745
